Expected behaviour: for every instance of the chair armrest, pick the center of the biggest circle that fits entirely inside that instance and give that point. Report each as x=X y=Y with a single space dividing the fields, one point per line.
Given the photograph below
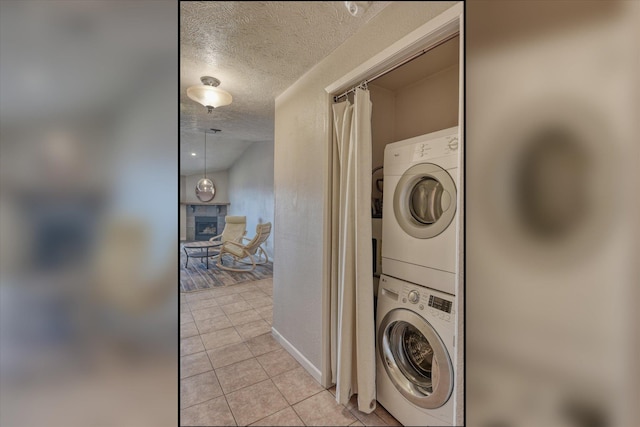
x=218 y=237
x=229 y=242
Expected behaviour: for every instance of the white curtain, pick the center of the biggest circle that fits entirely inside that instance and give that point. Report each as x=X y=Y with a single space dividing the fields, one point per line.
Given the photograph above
x=352 y=318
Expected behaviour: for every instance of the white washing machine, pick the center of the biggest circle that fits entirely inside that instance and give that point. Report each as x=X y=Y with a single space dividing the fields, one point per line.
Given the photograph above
x=419 y=210
x=414 y=341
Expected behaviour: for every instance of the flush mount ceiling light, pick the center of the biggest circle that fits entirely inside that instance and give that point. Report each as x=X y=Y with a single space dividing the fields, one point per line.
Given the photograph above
x=208 y=94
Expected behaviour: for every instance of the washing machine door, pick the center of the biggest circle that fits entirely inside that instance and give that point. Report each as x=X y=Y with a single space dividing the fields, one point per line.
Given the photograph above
x=424 y=201
x=415 y=359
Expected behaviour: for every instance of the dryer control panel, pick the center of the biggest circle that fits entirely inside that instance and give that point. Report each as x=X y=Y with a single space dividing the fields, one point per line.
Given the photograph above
x=435 y=148
x=443 y=145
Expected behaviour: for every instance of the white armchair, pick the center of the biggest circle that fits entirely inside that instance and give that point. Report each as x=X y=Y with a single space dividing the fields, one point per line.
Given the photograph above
x=234 y=230
x=245 y=253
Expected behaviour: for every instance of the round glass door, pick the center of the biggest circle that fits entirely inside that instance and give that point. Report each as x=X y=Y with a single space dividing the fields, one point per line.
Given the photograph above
x=424 y=202
x=415 y=359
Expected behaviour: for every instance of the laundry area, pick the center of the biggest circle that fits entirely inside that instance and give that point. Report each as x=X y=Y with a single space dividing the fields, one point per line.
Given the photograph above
x=415 y=138
x=411 y=104
x=374 y=307
x=416 y=194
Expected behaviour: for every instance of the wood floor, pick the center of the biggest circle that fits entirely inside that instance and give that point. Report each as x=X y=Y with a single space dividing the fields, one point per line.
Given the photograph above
x=196 y=277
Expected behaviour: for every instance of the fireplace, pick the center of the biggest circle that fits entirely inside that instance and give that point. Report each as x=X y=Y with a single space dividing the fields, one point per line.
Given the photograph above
x=206 y=227
x=217 y=212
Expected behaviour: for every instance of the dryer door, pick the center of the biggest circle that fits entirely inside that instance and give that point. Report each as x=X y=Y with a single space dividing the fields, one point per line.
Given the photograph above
x=424 y=201
x=415 y=358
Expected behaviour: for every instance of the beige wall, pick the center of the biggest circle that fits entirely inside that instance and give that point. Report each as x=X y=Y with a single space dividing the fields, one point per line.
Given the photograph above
x=251 y=188
x=427 y=105
x=301 y=175
x=383 y=122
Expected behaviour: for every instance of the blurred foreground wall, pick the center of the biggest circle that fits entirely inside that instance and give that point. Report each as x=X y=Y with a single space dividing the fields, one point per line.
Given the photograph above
x=552 y=213
x=88 y=213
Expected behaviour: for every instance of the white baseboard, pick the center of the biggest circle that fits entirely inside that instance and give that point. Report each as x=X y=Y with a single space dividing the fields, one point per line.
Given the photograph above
x=306 y=364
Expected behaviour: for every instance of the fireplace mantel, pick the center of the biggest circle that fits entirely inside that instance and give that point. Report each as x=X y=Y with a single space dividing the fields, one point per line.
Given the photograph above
x=204 y=204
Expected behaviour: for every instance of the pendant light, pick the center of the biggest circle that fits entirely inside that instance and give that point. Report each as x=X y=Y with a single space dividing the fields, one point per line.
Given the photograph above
x=205 y=189
x=208 y=94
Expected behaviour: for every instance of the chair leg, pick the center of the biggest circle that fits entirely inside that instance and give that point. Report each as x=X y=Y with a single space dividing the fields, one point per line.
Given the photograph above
x=219 y=262
x=263 y=255
x=239 y=270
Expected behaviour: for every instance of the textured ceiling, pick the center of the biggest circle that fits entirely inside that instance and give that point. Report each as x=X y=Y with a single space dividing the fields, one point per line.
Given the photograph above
x=257 y=50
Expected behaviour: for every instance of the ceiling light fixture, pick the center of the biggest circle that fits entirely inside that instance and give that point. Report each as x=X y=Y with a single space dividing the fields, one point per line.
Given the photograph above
x=208 y=94
x=193 y=154
x=357 y=8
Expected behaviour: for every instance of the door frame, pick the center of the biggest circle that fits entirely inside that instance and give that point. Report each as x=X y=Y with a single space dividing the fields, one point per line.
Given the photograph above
x=429 y=34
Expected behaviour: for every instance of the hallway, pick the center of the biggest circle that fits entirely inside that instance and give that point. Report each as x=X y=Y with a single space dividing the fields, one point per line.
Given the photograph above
x=232 y=372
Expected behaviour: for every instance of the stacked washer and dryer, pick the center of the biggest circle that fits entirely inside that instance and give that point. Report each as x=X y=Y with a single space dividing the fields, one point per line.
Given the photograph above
x=416 y=296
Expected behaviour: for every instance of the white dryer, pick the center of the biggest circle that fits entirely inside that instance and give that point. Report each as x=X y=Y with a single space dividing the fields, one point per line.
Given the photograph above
x=414 y=340
x=419 y=210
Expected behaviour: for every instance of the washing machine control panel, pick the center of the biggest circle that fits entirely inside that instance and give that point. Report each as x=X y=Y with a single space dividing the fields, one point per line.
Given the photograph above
x=440 y=304
x=414 y=297
x=438 y=307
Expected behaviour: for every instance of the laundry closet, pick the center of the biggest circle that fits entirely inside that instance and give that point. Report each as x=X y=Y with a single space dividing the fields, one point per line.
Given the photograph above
x=406 y=102
x=415 y=229
x=417 y=98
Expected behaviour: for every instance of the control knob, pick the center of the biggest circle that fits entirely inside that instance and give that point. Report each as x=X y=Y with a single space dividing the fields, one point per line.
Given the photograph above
x=414 y=297
x=453 y=144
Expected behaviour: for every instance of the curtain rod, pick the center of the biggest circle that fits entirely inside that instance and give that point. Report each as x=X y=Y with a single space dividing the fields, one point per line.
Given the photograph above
x=409 y=59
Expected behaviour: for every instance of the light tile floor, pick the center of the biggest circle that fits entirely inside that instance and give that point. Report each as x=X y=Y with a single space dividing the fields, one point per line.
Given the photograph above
x=232 y=372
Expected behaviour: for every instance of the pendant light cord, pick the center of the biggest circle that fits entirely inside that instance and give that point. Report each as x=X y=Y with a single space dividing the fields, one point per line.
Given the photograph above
x=205 y=154
x=205 y=149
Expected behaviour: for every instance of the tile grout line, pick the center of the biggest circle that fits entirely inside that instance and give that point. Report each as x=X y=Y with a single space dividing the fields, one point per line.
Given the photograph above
x=288 y=406
x=199 y=403
x=208 y=400
x=199 y=373
x=243 y=341
x=229 y=406
x=268 y=379
x=181 y=355
x=297 y=413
